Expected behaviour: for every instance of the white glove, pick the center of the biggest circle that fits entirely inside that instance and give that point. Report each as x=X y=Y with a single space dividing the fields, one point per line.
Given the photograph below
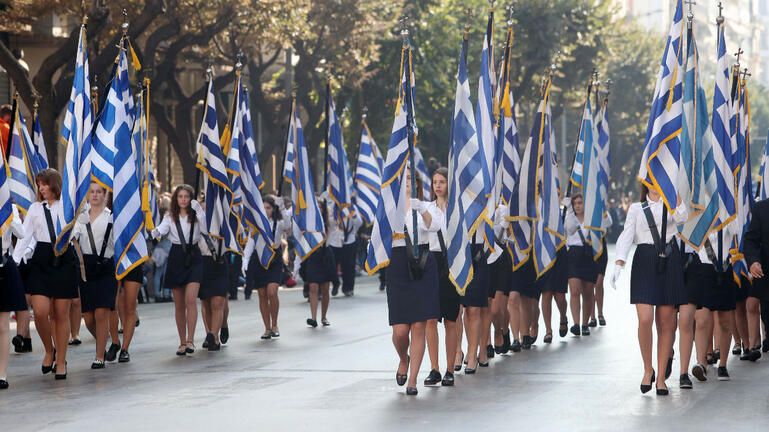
x=417 y=205
x=243 y=269
x=195 y=205
x=566 y=202
x=615 y=274
x=324 y=195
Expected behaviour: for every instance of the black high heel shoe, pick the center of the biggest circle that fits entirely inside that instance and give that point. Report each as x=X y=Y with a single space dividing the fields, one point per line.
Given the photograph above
x=411 y=391
x=663 y=391
x=63 y=376
x=646 y=388
x=400 y=379
x=458 y=367
x=48 y=369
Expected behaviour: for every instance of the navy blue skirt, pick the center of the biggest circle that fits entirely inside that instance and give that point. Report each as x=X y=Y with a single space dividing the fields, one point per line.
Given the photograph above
x=603 y=260
x=524 y=280
x=723 y=296
x=558 y=276
x=449 y=297
x=258 y=277
x=182 y=270
x=51 y=277
x=699 y=280
x=410 y=301
x=501 y=272
x=477 y=293
x=100 y=290
x=11 y=288
x=649 y=286
x=320 y=267
x=216 y=278
x=581 y=264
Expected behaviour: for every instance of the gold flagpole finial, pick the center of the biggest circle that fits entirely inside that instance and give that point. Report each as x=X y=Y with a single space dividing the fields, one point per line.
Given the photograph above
x=124 y=26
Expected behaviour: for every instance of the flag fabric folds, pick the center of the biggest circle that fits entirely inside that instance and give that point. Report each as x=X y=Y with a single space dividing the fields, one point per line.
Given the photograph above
x=485 y=122
x=763 y=192
x=424 y=174
x=368 y=176
x=660 y=162
x=308 y=227
x=144 y=170
x=130 y=244
x=507 y=135
x=76 y=136
x=23 y=165
x=467 y=197
x=593 y=184
x=38 y=142
x=254 y=216
x=745 y=185
x=338 y=166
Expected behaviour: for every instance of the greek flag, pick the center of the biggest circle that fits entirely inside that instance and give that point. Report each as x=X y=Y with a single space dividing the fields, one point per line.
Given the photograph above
x=254 y=216
x=424 y=174
x=722 y=129
x=594 y=187
x=523 y=202
x=308 y=228
x=697 y=156
x=211 y=162
x=368 y=176
x=76 y=135
x=548 y=238
x=484 y=125
x=38 y=142
x=763 y=192
x=578 y=167
x=659 y=164
x=130 y=244
x=507 y=138
x=339 y=177
x=231 y=150
x=391 y=209
x=6 y=202
x=467 y=198
x=745 y=184
x=23 y=165
x=144 y=170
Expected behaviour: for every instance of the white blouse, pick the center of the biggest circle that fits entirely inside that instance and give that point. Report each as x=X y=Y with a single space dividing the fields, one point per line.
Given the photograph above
x=99 y=228
x=336 y=233
x=434 y=241
x=35 y=228
x=167 y=227
x=438 y=220
x=574 y=226
x=16 y=229
x=703 y=253
x=279 y=230
x=501 y=225
x=637 y=230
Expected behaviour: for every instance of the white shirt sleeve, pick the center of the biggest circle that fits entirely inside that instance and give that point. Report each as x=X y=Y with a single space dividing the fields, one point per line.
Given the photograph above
x=201 y=216
x=681 y=214
x=625 y=240
x=248 y=251
x=571 y=223
x=164 y=228
x=438 y=219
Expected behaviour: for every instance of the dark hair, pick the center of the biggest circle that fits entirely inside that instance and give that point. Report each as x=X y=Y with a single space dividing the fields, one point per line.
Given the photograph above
x=107 y=194
x=271 y=200
x=442 y=171
x=51 y=178
x=175 y=209
x=644 y=192
x=575 y=196
x=5 y=109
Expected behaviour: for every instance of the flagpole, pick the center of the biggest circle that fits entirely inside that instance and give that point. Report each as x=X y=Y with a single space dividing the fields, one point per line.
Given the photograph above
x=285 y=147
x=196 y=186
x=11 y=125
x=363 y=125
x=574 y=159
x=410 y=131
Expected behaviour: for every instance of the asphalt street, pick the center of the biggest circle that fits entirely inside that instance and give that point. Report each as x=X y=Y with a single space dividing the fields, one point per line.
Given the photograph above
x=341 y=378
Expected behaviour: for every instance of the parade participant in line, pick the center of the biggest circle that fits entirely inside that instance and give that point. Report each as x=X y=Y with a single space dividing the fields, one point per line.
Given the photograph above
x=529 y=289
x=213 y=290
x=318 y=271
x=98 y=291
x=500 y=282
x=185 y=264
x=476 y=298
x=555 y=289
x=128 y=299
x=342 y=239
x=756 y=249
x=656 y=280
x=603 y=261
x=583 y=271
x=412 y=299
x=12 y=293
x=267 y=281
x=448 y=296
x=52 y=280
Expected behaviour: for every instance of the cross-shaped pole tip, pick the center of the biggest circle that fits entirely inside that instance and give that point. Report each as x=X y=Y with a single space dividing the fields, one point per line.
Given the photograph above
x=738 y=54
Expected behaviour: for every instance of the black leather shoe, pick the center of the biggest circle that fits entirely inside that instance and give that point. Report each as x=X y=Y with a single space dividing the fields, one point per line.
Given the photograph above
x=469 y=370
x=433 y=378
x=700 y=372
x=224 y=335
x=27 y=345
x=575 y=330
x=685 y=382
x=483 y=364
x=646 y=388
x=526 y=344
x=663 y=391
x=112 y=352
x=335 y=290
x=563 y=328
x=765 y=345
x=63 y=376
x=516 y=346
x=505 y=343
x=755 y=354
x=97 y=364
x=601 y=320
x=4 y=384
x=411 y=391
x=400 y=379
x=205 y=344
x=592 y=323
x=210 y=340
x=548 y=338
x=46 y=369
x=669 y=367
x=124 y=357
x=74 y=342
x=448 y=379
x=490 y=351
x=312 y=323
x=214 y=347
x=585 y=331
x=18 y=344
x=737 y=350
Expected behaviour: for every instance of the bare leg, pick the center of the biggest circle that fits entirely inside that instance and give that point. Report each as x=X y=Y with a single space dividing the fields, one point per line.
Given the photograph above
x=22 y=322
x=575 y=293
x=686 y=331
x=740 y=326
x=61 y=308
x=43 y=307
x=101 y=318
x=725 y=320
x=326 y=299
x=75 y=316
x=432 y=343
x=205 y=312
x=191 y=304
x=702 y=335
x=472 y=331
x=90 y=323
x=514 y=314
x=417 y=350
x=459 y=357
x=451 y=342
x=314 y=301
x=560 y=301
x=180 y=314
x=485 y=333
x=645 y=320
x=216 y=315
x=666 y=331
x=401 y=343
x=752 y=306
x=264 y=308
x=130 y=294
x=274 y=304
x=547 y=310
x=587 y=302
x=598 y=296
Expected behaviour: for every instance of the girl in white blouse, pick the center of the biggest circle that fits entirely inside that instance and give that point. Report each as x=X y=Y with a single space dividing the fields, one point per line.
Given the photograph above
x=12 y=291
x=94 y=234
x=266 y=281
x=184 y=225
x=52 y=280
x=656 y=281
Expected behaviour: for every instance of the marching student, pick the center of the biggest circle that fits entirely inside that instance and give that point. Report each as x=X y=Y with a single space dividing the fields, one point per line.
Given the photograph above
x=603 y=261
x=555 y=289
x=266 y=281
x=474 y=301
x=185 y=263
x=447 y=295
x=501 y=269
x=318 y=271
x=528 y=288
x=583 y=271
x=412 y=293
x=12 y=294
x=656 y=279
x=98 y=292
x=213 y=290
x=52 y=280
x=756 y=248
x=342 y=239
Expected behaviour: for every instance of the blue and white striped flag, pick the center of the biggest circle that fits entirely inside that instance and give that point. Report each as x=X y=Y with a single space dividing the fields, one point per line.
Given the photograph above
x=145 y=172
x=254 y=215
x=697 y=156
x=212 y=163
x=114 y=124
x=593 y=185
x=339 y=175
x=548 y=238
x=578 y=167
x=660 y=162
x=130 y=243
x=467 y=198
x=308 y=228
x=76 y=136
x=391 y=210
x=523 y=202
x=424 y=174
x=507 y=135
x=23 y=165
x=763 y=192
x=38 y=142
x=745 y=198
x=484 y=125
x=368 y=176
x=231 y=144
